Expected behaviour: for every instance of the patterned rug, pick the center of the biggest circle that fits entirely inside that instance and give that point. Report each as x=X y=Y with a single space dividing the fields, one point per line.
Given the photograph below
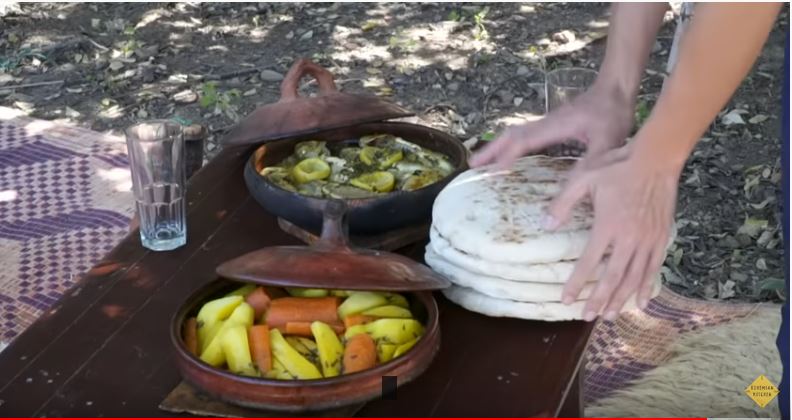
x=623 y=351
x=65 y=201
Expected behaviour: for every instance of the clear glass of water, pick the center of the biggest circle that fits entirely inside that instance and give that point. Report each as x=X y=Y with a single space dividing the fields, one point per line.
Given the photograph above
x=561 y=86
x=157 y=160
x=564 y=84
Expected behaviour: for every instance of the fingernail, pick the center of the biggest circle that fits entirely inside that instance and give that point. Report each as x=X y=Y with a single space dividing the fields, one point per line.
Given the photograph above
x=567 y=300
x=590 y=316
x=549 y=222
x=610 y=316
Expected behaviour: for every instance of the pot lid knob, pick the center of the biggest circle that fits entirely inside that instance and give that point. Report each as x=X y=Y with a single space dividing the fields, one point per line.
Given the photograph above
x=332 y=264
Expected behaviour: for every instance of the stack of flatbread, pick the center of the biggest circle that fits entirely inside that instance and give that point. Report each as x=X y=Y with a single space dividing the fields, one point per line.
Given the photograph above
x=487 y=239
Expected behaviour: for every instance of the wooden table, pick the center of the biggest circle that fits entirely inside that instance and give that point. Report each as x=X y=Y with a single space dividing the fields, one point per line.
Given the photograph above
x=103 y=350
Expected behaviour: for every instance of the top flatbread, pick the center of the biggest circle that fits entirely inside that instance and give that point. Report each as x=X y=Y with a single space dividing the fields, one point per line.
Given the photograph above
x=498 y=216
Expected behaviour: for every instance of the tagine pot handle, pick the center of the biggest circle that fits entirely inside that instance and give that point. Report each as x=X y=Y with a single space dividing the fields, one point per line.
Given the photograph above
x=335 y=229
x=301 y=68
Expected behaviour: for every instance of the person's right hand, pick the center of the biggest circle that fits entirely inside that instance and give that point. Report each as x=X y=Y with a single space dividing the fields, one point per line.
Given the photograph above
x=599 y=118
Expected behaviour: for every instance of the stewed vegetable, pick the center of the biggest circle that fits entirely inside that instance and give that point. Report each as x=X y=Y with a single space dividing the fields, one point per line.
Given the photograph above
x=378 y=164
x=304 y=334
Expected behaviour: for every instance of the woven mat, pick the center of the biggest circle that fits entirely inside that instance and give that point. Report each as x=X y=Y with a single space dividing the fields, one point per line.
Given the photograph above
x=65 y=201
x=622 y=351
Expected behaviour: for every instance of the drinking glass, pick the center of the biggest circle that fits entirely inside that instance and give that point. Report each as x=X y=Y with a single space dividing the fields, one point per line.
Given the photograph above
x=561 y=86
x=157 y=161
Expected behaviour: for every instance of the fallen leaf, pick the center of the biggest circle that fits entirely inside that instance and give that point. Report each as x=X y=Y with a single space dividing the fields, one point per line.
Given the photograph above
x=733 y=117
x=373 y=70
x=185 y=97
x=470 y=143
x=756 y=119
x=250 y=92
x=763 y=204
x=116 y=65
x=670 y=277
x=488 y=136
x=751 y=182
x=752 y=227
x=71 y=113
x=765 y=238
x=761 y=264
x=726 y=290
x=678 y=254
x=306 y=36
x=369 y=26
x=773 y=284
x=270 y=76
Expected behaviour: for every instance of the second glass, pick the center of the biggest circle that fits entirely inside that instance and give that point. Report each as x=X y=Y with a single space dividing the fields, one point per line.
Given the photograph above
x=562 y=85
x=157 y=161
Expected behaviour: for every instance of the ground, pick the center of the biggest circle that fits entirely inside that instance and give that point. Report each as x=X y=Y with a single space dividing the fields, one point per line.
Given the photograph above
x=468 y=69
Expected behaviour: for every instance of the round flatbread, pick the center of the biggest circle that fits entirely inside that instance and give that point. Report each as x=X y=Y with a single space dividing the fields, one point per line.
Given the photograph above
x=542 y=311
x=498 y=216
x=497 y=287
x=557 y=272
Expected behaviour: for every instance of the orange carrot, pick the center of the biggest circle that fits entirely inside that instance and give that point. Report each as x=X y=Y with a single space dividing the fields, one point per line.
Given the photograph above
x=191 y=335
x=259 y=300
x=259 y=341
x=293 y=309
x=360 y=353
x=358 y=319
x=303 y=329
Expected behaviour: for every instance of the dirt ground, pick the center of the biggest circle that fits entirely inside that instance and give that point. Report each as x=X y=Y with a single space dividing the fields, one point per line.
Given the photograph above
x=468 y=69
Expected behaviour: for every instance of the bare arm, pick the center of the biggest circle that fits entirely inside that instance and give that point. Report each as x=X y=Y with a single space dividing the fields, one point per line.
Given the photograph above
x=632 y=33
x=603 y=116
x=719 y=49
x=634 y=194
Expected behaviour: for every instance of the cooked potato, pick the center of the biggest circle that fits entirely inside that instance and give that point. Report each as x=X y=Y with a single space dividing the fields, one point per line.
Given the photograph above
x=360 y=301
x=385 y=352
x=213 y=312
x=213 y=353
x=404 y=347
x=291 y=359
x=394 y=331
x=388 y=311
x=236 y=350
x=331 y=351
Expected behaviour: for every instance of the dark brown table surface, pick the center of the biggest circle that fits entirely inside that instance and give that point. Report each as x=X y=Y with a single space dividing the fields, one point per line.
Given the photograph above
x=103 y=350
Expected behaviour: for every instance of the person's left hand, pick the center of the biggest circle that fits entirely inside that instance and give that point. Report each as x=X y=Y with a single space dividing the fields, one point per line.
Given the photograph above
x=634 y=200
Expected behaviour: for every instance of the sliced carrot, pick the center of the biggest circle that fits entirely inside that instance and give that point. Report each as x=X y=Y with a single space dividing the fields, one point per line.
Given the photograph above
x=303 y=329
x=358 y=319
x=259 y=300
x=294 y=309
x=259 y=341
x=191 y=336
x=360 y=353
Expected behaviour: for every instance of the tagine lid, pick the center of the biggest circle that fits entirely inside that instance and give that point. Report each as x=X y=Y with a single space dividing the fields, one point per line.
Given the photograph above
x=332 y=264
x=294 y=116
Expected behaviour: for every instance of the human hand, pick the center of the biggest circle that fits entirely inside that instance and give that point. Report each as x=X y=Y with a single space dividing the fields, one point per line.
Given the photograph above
x=634 y=200
x=600 y=118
